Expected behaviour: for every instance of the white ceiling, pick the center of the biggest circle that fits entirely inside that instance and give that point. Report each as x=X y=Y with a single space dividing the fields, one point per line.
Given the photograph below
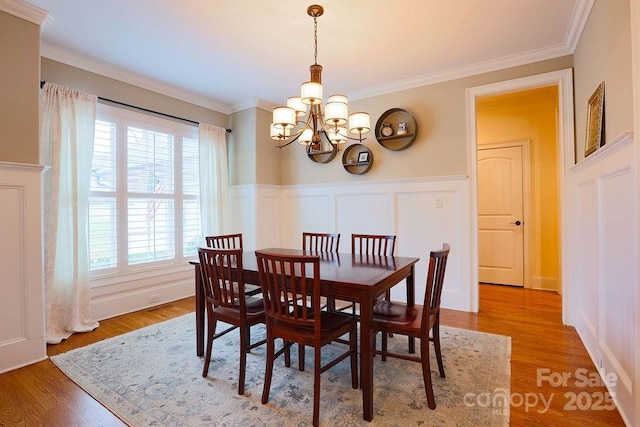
x=234 y=54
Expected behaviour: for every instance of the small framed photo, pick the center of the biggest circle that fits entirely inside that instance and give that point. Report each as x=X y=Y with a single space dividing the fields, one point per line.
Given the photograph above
x=363 y=157
x=595 y=115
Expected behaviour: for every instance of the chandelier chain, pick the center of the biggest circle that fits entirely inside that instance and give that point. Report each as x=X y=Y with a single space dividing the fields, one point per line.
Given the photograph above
x=315 y=40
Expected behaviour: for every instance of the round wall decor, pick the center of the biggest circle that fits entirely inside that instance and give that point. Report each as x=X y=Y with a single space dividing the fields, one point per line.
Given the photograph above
x=396 y=129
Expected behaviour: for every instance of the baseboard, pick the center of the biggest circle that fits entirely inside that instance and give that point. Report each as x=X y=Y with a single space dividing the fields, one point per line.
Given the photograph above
x=545 y=283
x=112 y=305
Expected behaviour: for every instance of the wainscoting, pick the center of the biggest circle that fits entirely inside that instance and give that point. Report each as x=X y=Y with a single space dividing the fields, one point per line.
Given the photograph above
x=604 y=262
x=22 y=338
x=423 y=213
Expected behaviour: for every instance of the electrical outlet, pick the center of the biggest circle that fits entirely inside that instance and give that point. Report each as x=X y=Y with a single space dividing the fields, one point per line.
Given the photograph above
x=438 y=202
x=154 y=298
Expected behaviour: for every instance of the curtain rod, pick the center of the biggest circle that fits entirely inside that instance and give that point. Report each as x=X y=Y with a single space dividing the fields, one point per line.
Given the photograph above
x=42 y=82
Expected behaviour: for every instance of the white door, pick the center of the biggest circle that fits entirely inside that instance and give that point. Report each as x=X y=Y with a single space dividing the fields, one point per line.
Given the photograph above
x=500 y=216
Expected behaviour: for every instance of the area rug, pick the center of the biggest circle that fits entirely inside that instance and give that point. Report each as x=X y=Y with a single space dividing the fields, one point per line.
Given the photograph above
x=152 y=377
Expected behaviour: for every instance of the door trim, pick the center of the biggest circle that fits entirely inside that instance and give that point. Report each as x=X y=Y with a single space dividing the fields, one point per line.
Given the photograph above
x=526 y=200
x=563 y=80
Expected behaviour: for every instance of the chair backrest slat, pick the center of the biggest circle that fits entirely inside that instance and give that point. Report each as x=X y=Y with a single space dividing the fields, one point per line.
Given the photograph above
x=373 y=244
x=320 y=242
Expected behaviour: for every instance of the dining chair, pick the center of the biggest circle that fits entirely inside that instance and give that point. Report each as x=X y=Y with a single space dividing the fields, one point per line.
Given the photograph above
x=286 y=281
x=226 y=301
x=322 y=243
x=416 y=321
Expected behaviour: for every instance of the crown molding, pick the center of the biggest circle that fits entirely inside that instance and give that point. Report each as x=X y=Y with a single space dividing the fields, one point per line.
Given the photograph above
x=264 y=105
x=110 y=71
x=24 y=10
x=579 y=20
x=467 y=71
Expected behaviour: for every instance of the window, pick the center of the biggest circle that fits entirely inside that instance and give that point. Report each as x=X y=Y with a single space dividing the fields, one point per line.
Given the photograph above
x=144 y=195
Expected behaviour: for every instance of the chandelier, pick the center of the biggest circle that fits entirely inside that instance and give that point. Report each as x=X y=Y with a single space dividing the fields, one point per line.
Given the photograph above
x=324 y=128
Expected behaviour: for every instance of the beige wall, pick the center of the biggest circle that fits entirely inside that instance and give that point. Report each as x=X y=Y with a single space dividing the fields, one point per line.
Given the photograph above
x=242 y=148
x=19 y=96
x=603 y=55
x=531 y=115
x=441 y=145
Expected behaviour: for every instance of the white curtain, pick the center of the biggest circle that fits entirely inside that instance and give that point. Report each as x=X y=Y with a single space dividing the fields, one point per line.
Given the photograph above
x=214 y=180
x=67 y=121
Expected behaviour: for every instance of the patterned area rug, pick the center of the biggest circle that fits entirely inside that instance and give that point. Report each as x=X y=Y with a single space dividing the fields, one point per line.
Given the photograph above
x=152 y=377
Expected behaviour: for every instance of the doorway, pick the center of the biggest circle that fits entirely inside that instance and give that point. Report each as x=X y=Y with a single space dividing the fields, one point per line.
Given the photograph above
x=503 y=254
x=561 y=82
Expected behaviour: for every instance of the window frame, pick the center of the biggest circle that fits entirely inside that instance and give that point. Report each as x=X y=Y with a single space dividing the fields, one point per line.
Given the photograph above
x=123 y=271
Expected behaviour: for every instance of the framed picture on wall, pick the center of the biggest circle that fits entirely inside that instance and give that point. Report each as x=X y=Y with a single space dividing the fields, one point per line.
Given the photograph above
x=595 y=114
x=363 y=157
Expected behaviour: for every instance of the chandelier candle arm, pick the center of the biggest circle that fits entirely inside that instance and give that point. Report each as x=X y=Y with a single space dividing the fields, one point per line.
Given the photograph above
x=330 y=124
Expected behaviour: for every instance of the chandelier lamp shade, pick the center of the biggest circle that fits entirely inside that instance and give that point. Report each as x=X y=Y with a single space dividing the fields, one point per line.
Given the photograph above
x=304 y=119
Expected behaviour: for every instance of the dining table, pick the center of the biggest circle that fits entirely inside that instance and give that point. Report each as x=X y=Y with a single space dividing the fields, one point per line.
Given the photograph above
x=358 y=278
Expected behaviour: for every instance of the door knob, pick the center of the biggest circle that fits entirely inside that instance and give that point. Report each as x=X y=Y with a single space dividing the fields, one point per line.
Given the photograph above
x=516 y=223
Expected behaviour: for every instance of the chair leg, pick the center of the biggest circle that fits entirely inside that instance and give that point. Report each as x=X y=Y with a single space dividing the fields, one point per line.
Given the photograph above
x=436 y=345
x=316 y=386
x=384 y=345
x=244 y=336
x=331 y=304
x=426 y=373
x=387 y=296
x=287 y=353
x=211 y=330
x=248 y=343
x=268 y=371
x=353 y=344
x=300 y=357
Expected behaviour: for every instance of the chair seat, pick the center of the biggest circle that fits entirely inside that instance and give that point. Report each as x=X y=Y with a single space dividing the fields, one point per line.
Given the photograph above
x=254 y=307
x=333 y=324
x=389 y=309
x=397 y=315
x=252 y=289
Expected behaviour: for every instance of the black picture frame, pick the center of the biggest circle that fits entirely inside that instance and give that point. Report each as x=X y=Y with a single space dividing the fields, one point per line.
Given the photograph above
x=363 y=157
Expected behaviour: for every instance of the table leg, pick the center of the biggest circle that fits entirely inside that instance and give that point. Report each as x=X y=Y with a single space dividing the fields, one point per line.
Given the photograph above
x=199 y=312
x=411 y=300
x=366 y=357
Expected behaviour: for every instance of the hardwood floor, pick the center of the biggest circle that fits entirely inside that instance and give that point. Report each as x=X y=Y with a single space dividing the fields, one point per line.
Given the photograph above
x=41 y=395
x=533 y=319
